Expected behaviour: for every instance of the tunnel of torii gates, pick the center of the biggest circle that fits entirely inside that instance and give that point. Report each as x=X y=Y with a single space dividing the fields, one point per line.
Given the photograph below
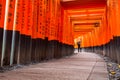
x=36 y=30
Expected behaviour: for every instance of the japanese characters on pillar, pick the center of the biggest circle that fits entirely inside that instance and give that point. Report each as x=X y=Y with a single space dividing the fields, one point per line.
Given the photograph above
x=2 y=13
x=57 y=17
x=65 y=27
x=67 y=31
x=24 y=17
x=44 y=19
x=114 y=16
x=18 y=16
x=35 y=19
x=30 y=18
x=58 y=20
x=10 y=15
x=61 y=25
x=52 y=21
x=41 y=21
x=38 y=18
x=47 y=22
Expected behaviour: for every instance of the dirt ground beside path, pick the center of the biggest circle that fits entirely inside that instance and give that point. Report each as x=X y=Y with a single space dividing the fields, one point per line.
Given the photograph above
x=82 y=66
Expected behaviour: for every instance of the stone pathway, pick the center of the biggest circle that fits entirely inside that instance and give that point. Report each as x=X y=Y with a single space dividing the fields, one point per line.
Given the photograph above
x=82 y=66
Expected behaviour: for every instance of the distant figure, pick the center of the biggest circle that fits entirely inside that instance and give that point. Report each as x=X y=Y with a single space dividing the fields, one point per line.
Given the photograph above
x=78 y=43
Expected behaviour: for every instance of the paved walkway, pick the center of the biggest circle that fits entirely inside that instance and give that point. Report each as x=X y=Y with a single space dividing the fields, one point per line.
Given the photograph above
x=82 y=66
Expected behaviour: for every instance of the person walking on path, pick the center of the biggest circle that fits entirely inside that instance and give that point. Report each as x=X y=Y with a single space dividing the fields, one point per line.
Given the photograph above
x=78 y=43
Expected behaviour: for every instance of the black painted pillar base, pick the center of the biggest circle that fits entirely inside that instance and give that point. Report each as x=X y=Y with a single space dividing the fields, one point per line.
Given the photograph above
x=16 y=50
x=22 y=58
x=1 y=41
x=6 y=60
x=56 y=51
x=118 y=49
x=33 y=54
x=44 y=44
x=63 y=50
x=28 y=47
x=50 y=50
x=38 y=50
